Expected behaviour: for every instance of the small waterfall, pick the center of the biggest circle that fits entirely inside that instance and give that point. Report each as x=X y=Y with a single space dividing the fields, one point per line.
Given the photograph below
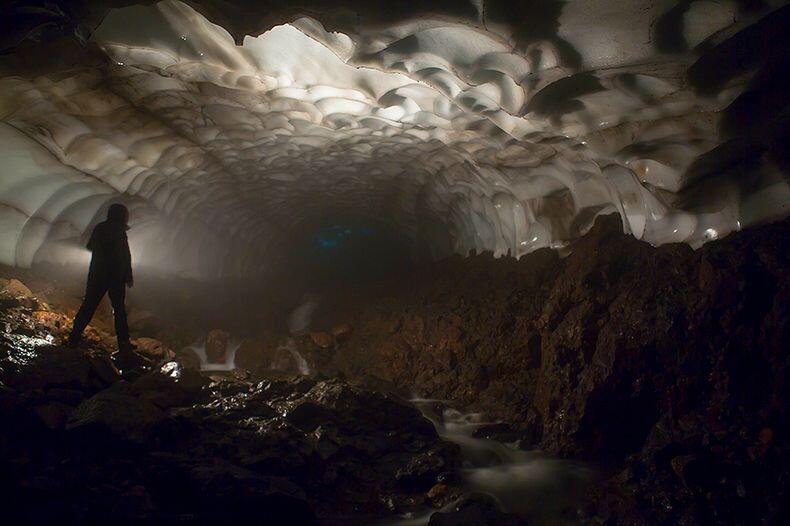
x=301 y=363
x=298 y=323
x=230 y=357
x=301 y=317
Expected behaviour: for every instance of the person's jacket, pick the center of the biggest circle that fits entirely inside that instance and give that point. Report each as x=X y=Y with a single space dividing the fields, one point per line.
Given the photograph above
x=111 y=261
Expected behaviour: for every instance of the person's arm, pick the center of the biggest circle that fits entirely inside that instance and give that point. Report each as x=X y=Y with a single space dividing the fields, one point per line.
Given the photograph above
x=93 y=241
x=127 y=257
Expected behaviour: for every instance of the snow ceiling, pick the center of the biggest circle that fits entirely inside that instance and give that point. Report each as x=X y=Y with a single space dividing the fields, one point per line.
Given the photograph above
x=461 y=133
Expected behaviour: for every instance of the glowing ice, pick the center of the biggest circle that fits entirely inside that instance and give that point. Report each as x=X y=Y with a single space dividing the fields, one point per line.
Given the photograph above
x=221 y=149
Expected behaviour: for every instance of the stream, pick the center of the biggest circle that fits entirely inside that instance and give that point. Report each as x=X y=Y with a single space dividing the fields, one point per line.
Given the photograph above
x=542 y=489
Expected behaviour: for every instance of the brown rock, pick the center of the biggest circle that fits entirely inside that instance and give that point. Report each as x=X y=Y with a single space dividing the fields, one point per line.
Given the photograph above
x=323 y=340
x=282 y=360
x=140 y=319
x=188 y=359
x=53 y=321
x=169 y=387
x=252 y=354
x=153 y=349
x=342 y=332
x=117 y=411
x=437 y=495
x=217 y=345
x=14 y=287
x=766 y=435
x=756 y=452
x=478 y=509
x=68 y=396
x=54 y=414
x=104 y=368
x=679 y=465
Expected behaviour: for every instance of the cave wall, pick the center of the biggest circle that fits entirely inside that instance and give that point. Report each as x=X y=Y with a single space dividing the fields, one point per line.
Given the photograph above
x=665 y=367
x=534 y=340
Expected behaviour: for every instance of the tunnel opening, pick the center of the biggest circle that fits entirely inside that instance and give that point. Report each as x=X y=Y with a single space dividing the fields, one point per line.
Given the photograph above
x=346 y=251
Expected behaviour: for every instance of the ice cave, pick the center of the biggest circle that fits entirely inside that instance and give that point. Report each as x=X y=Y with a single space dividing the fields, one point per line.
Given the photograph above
x=447 y=262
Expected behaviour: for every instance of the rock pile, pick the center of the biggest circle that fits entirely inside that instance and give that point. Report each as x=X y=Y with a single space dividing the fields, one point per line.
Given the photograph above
x=173 y=445
x=667 y=366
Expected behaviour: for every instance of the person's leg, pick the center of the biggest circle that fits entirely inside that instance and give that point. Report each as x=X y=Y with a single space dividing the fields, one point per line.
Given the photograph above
x=94 y=292
x=118 y=299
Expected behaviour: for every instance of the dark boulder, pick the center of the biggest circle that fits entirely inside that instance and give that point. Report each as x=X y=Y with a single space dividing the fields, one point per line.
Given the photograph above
x=116 y=410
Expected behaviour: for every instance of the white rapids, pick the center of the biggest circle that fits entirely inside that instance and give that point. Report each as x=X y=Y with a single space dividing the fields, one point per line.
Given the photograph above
x=530 y=484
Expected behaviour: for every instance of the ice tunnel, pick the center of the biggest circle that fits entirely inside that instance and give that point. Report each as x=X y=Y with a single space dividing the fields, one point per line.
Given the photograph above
x=458 y=126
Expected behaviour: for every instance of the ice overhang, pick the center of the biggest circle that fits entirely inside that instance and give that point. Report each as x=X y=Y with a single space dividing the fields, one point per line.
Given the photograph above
x=460 y=134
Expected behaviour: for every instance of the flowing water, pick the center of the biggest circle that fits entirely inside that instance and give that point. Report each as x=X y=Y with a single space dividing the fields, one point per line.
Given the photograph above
x=230 y=357
x=298 y=323
x=301 y=363
x=543 y=489
x=301 y=317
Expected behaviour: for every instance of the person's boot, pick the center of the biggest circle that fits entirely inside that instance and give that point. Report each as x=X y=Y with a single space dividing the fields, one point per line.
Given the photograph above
x=126 y=359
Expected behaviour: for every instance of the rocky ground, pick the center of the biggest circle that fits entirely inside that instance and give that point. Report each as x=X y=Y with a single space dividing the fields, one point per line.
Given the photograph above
x=665 y=368
x=83 y=440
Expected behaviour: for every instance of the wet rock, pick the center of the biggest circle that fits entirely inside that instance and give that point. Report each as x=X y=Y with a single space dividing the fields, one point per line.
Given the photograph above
x=54 y=414
x=283 y=360
x=474 y=510
x=130 y=364
x=117 y=411
x=450 y=478
x=423 y=469
x=319 y=360
x=217 y=345
x=231 y=492
x=308 y=415
x=341 y=333
x=292 y=360
x=226 y=377
x=153 y=350
x=14 y=288
x=54 y=366
x=326 y=442
x=323 y=340
x=142 y=321
x=67 y=396
x=680 y=465
x=166 y=391
x=54 y=322
x=501 y=432
x=766 y=435
x=104 y=368
x=188 y=359
x=253 y=354
x=438 y=495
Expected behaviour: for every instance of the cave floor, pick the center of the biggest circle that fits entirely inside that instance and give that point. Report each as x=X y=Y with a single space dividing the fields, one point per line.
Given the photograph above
x=167 y=442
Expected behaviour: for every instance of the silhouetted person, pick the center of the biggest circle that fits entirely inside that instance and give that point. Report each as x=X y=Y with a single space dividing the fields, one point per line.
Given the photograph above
x=110 y=273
